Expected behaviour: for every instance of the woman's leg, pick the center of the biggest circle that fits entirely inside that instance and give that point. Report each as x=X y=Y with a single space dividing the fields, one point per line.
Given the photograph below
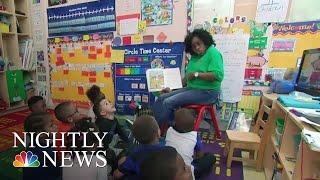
x=158 y=105
x=190 y=96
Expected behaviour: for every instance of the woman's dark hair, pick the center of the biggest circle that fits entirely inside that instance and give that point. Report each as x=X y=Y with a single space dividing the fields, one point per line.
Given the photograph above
x=95 y=96
x=160 y=165
x=203 y=35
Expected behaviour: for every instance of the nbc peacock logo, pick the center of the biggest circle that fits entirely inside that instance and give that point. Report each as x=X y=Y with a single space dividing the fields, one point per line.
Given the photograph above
x=26 y=159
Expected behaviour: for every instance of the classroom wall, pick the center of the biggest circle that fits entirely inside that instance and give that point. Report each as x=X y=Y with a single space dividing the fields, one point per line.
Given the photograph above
x=175 y=32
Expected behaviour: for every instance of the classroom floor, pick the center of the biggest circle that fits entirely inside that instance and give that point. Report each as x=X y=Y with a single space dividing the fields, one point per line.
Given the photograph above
x=249 y=173
x=13 y=122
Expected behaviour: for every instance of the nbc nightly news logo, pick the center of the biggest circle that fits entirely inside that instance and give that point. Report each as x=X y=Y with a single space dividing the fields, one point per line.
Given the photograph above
x=28 y=159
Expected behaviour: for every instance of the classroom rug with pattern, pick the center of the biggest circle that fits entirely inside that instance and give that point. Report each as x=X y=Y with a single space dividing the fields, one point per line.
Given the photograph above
x=14 y=123
x=220 y=170
x=10 y=123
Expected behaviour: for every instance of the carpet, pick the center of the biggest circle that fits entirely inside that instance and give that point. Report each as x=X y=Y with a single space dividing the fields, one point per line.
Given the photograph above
x=11 y=123
x=7 y=171
x=220 y=170
x=14 y=123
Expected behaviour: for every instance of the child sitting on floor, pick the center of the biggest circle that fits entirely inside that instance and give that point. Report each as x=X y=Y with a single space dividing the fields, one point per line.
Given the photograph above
x=105 y=117
x=67 y=114
x=186 y=141
x=146 y=131
x=165 y=164
x=85 y=172
x=107 y=122
x=41 y=122
x=37 y=104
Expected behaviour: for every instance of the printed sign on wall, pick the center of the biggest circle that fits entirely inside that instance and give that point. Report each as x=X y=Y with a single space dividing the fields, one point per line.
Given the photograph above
x=130 y=77
x=96 y=16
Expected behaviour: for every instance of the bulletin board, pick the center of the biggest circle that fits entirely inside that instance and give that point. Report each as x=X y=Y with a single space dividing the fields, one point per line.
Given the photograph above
x=169 y=25
x=78 y=62
x=306 y=36
x=130 y=77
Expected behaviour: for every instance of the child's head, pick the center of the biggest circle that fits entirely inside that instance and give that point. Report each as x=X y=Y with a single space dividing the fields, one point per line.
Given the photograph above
x=39 y=122
x=145 y=129
x=101 y=106
x=37 y=104
x=83 y=126
x=165 y=164
x=67 y=112
x=184 y=120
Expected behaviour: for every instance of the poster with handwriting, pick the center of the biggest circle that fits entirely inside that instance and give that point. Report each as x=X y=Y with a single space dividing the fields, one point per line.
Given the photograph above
x=271 y=10
x=234 y=50
x=90 y=17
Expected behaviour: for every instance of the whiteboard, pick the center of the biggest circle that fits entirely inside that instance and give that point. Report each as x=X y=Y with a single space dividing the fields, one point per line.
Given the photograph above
x=234 y=50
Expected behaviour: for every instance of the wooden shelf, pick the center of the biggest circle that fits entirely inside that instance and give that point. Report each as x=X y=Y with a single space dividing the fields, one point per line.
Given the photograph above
x=23 y=34
x=273 y=140
x=6 y=13
x=8 y=33
x=21 y=16
x=288 y=166
x=9 y=43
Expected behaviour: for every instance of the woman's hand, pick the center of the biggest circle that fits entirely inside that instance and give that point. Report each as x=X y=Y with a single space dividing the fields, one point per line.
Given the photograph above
x=191 y=76
x=165 y=90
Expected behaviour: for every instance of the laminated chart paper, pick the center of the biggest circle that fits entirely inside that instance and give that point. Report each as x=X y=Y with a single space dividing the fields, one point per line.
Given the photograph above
x=77 y=65
x=90 y=17
x=234 y=50
x=130 y=77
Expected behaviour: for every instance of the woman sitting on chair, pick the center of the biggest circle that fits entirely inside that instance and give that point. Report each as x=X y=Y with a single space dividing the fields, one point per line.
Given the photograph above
x=202 y=82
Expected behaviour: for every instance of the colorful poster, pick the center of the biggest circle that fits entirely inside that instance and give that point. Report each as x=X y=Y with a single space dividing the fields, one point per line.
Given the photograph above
x=130 y=77
x=77 y=64
x=283 y=45
x=306 y=35
x=90 y=17
x=258 y=43
x=56 y=2
x=297 y=27
x=157 y=12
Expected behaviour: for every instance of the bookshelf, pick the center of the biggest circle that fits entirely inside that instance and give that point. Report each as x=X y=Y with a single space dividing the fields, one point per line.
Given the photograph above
x=300 y=163
x=17 y=15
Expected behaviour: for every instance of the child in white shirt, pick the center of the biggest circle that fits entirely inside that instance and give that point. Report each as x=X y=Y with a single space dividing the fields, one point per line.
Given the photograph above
x=188 y=144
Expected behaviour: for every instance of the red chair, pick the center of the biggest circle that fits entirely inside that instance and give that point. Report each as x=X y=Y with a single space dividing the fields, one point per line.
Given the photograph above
x=201 y=108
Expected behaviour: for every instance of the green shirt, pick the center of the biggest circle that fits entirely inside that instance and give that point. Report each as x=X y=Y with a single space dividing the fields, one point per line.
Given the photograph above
x=212 y=62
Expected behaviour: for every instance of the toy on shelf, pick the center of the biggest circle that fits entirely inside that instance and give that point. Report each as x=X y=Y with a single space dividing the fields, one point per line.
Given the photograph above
x=4 y=24
x=3 y=105
x=2 y=64
x=2 y=7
